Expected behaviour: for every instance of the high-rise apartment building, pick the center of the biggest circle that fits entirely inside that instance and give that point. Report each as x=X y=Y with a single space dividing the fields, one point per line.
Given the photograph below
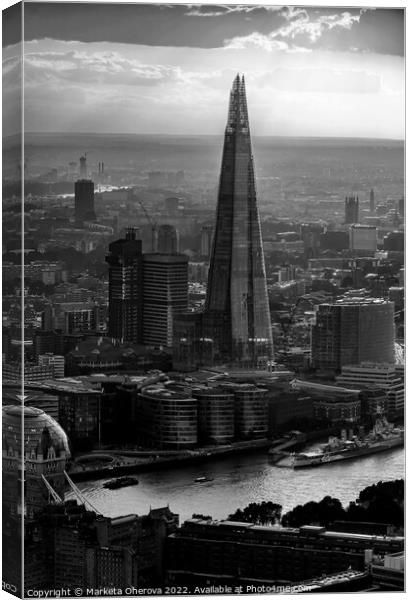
x=165 y=294
x=351 y=331
x=145 y=292
x=125 y=261
x=352 y=210
x=237 y=317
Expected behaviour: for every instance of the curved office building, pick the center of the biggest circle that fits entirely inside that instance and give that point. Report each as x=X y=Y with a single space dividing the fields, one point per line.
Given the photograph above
x=167 y=419
x=215 y=415
x=250 y=410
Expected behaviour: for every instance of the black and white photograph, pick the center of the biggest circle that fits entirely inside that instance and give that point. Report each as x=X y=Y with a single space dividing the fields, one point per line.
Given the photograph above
x=203 y=338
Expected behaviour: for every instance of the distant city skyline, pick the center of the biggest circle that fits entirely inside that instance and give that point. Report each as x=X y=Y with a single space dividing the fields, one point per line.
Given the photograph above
x=315 y=72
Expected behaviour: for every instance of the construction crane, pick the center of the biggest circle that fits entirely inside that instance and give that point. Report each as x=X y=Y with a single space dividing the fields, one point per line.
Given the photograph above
x=152 y=223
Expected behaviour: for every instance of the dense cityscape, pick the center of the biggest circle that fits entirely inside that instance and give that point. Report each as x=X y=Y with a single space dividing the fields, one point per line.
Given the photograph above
x=210 y=332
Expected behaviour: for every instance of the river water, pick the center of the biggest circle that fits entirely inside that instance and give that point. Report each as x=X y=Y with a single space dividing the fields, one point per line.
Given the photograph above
x=237 y=481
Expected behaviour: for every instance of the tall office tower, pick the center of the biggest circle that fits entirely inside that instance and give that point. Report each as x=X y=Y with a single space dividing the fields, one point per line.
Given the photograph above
x=372 y=201
x=351 y=331
x=206 y=240
x=167 y=239
x=125 y=295
x=237 y=316
x=84 y=196
x=165 y=295
x=352 y=210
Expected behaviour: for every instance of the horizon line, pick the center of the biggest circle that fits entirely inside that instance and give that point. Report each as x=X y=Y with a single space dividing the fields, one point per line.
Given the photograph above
x=209 y=135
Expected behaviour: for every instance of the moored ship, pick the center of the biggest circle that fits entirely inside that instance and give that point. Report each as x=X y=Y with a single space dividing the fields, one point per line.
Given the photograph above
x=383 y=436
x=121 y=482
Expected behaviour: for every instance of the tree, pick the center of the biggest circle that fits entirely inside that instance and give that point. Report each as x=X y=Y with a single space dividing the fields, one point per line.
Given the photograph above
x=263 y=513
x=323 y=513
x=385 y=489
x=379 y=503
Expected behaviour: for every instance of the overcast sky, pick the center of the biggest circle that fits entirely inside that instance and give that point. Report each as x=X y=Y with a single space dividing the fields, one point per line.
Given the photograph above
x=168 y=69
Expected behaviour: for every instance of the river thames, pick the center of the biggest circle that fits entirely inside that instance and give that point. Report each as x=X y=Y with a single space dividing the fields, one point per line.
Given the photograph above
x=237 y=481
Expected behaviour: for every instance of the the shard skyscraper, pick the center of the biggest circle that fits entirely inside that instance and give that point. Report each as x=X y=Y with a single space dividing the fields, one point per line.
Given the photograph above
x=236 y=316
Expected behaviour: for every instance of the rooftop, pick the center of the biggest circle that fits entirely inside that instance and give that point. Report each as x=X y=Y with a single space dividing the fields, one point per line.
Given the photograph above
x=319 y=530
x=165 y=258
x=367 y=366
x=361 y=300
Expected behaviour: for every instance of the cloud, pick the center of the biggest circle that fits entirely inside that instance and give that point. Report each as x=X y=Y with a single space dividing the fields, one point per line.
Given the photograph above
x=302 y=31
x=100 y=67
x=224 y=9
x=213 y=26
x=266 y=42
x=107 y=68
x=313 y=29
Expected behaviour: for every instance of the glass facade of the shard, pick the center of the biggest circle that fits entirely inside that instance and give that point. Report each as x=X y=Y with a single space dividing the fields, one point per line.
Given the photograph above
x=237 y=317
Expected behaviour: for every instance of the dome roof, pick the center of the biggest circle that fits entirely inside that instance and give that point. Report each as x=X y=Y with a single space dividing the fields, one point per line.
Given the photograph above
x=41 y=432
